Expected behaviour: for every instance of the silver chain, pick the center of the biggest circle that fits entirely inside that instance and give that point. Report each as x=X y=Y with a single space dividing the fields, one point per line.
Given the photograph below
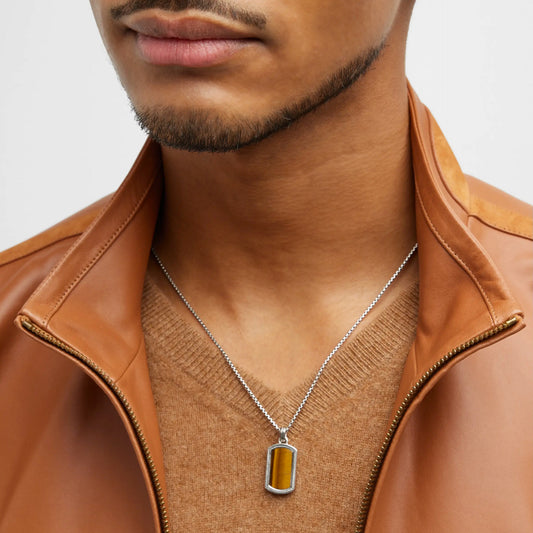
x=283 y=430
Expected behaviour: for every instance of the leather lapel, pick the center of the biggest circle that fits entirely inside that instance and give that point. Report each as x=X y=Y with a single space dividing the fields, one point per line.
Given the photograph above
x=462 y=294
x=91 y=302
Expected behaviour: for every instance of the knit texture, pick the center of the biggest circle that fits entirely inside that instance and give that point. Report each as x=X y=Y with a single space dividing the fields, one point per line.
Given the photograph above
x=215 y=438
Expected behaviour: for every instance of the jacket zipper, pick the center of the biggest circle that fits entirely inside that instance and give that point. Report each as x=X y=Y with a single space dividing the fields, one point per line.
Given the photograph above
x=411 y=395
x=154 y=476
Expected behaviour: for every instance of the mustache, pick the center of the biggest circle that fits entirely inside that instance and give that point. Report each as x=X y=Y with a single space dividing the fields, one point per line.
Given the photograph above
x=217 y=7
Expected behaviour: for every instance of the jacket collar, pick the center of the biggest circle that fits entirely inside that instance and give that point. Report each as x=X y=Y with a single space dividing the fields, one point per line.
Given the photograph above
x=462 y=294
x=91 y=300
x=89 y=307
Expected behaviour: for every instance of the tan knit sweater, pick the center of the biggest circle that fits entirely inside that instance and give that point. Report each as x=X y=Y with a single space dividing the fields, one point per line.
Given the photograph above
x=215 y=439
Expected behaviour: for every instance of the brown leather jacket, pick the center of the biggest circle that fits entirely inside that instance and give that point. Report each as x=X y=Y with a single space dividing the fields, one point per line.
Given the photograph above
x=80 y=445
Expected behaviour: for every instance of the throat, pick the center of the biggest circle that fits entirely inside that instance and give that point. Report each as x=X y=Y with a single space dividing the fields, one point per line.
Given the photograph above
x=281 y=343
x=315 y=203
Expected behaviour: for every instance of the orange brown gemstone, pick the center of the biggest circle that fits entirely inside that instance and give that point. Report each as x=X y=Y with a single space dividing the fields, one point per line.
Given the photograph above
x=281 y=468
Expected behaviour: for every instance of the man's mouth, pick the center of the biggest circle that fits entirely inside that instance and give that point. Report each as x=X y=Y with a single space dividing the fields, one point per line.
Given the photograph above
x=187 y=41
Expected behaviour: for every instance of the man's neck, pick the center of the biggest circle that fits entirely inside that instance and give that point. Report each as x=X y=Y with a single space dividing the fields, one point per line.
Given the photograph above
x=332 y=194
x=307 y=223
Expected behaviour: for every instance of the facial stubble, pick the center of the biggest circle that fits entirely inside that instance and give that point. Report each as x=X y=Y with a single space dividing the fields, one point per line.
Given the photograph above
x=200 y=130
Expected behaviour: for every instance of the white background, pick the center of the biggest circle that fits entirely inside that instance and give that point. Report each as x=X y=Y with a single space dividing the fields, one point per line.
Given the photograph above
x=67 y=136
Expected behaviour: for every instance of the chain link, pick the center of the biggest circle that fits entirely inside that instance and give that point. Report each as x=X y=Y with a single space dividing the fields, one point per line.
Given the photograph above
x=281 y=429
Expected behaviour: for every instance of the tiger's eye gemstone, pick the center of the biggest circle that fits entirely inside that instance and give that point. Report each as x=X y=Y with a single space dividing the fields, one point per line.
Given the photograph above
x=281 y=469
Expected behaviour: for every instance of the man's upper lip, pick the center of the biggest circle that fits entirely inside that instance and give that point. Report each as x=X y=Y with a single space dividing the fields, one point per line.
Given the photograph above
x=182 y=27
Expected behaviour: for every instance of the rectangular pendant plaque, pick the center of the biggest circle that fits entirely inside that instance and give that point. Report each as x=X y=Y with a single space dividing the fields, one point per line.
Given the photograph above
x=280 y=469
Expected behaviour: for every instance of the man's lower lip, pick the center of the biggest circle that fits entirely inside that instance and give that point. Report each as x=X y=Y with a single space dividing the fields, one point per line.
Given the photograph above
x=185 y=53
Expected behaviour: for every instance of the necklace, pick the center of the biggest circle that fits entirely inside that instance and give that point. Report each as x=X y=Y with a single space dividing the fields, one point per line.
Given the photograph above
x=280 y=474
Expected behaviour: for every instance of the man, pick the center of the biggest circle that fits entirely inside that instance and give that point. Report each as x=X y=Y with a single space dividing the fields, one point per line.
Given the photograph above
x=290 y=175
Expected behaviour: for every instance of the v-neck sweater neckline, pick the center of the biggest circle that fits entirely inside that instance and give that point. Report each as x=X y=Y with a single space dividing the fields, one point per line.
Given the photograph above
x=191 y=379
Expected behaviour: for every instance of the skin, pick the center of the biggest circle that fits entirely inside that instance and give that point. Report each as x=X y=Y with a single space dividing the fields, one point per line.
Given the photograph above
x=282 y=244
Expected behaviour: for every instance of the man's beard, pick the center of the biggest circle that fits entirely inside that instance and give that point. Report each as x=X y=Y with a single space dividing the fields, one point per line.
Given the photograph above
x=205 y=131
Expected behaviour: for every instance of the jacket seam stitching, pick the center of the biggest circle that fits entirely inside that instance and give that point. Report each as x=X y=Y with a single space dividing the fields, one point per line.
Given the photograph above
x=50 y=275
x=461 y=204
x=493 y=315
x=495 y=226
x=98 y=254
x=488 y=303
x=467 y=210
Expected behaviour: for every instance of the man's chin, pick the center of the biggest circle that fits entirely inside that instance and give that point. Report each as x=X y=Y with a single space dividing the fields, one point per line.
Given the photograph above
x=200 y=130
x=203 y=130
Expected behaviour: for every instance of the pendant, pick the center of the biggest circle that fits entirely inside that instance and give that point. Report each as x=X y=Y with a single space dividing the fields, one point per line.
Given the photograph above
x=281 y=466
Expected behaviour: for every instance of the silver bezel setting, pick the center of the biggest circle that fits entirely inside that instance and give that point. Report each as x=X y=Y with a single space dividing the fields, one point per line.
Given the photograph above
x=293 y=469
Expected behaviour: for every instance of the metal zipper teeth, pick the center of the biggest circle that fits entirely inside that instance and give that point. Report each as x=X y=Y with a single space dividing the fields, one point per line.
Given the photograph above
x=411 y=395
x=50 y=339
